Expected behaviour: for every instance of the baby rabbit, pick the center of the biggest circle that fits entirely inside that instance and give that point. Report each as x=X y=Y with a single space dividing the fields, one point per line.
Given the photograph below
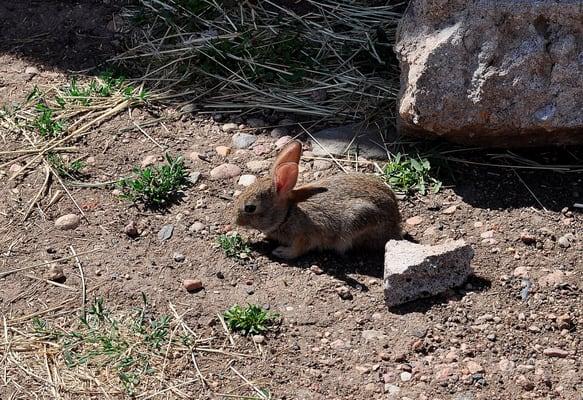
x=337 y=213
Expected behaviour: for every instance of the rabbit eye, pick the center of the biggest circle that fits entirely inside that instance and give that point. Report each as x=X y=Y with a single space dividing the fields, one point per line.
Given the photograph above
x=250 y=208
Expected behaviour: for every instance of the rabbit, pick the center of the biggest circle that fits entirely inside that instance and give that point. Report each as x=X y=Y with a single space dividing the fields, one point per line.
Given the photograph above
x=337 y=213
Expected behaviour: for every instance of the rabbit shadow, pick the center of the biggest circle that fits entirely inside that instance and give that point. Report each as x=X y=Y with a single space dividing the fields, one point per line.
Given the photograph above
x=371 y=264
x=339 y=266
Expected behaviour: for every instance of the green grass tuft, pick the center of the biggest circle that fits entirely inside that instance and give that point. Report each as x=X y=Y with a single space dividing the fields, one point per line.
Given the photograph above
x=156 y=186
x=409 y=175
x=126 y=345
x=45 y=122
x=66 y=169
x=106 y=85
x=249 y=320
x=233 y=245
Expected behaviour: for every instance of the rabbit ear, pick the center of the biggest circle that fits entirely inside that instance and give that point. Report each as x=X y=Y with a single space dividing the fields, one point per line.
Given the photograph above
x=285 y=177
x=291 y=152
x=286 y=168
x=305 y=192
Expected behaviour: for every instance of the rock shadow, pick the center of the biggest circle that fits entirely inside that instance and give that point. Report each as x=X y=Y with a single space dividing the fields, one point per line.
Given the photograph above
x=551 y=178
x=339 y=266
x=473 y=284
x=69 y=36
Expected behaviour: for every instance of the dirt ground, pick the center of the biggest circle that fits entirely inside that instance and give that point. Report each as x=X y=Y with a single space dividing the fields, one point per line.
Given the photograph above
x=491 y=339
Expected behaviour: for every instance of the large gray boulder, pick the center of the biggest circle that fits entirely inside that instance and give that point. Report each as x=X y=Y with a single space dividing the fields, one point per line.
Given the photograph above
x=493 y=72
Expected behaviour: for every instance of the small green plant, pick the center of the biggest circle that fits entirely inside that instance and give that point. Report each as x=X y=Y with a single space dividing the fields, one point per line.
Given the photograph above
x=410 y=175
x=126 y=345
x=234 y=245
x=79 y=93
x=66 y=169
x=156 y=186
x=105 y=85
x=34 y=94
x=266 y=394
x=41 y=328
x=249 y=320
x=45 y=122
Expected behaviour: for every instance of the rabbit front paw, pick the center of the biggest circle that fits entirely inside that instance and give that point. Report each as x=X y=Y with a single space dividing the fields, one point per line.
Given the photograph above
x=285 y=252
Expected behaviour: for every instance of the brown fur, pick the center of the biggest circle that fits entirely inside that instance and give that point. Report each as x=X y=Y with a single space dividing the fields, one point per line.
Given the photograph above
x=338 y=213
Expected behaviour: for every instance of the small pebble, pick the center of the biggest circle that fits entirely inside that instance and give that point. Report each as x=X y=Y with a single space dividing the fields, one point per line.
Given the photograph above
x=414 y=220
x=229 y=127
x=282 y=141
x=56 y=274
x=261 y=149
x=506 y=365
x=525 y=383
x=316 y=270
x=193 y=177
x=247 y=180
x=371 y=387
x=520 y=272
x=166 y=232
x=68 y=222
x=14 y=168
x=196 y=227
x=565 y=240
x=149 y=160
x=179 y=257
x=527 y=237
x=259 y=339
x=31 y=70
x=223 y=151
x=243 y=140
x=444 y=374
x=487 y=235
x=131 y=229
x=258 y=166
x=564 y=321
x=553 y=279
x=371 y=334
x=392 y=389
x=225 y=171
x=192 y=285
x=196 y=156
x=405 y=376
x=452 y=356
x=338 y=344
x=450 y=210
x=344 y=293
x=555 y=352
